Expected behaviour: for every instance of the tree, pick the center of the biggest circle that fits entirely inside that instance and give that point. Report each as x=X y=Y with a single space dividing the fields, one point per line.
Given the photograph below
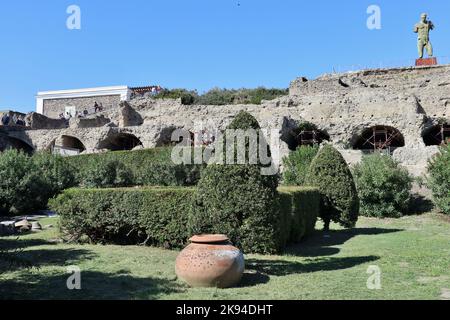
x=330 y=173
x=237 y=200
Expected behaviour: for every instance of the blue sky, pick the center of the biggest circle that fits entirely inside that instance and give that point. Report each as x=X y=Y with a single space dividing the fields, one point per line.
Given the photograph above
x=200 y=44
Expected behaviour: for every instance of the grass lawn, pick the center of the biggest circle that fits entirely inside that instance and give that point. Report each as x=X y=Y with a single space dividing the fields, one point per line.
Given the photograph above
x=413 y=254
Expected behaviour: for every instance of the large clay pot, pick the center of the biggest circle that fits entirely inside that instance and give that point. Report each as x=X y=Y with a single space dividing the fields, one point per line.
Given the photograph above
x=210 y=261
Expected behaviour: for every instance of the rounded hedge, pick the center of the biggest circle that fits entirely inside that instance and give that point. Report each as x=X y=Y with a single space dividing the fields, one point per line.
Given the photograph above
x=384 y=187
x=439 y=179
x=330 y=173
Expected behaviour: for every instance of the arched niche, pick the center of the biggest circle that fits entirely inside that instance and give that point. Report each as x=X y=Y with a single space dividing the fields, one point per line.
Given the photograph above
x=71 y=142
x=8 y=142
x=120 y=142
x=437 y=135
x=304 y=134
x=379 y=138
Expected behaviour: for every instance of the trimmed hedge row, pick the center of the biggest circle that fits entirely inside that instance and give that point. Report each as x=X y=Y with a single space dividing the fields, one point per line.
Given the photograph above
x=299 y=211
x=161 y=216
x=156 y=216
x=149 y=167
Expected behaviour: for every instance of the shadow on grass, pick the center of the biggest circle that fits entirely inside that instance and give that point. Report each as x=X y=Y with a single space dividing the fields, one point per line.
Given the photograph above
x=94 y=286
x=284 y=267
x=253 y=278
x=322 y=244
x=31 y=281
x=18 y=242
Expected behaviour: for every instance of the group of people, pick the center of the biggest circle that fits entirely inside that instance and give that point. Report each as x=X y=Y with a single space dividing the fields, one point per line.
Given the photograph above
x=155 y=90
x=82 y=114
x=15 y=120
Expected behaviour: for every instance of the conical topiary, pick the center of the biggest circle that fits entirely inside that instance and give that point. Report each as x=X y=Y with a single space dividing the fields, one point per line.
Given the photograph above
x=238 y=200
x=330 y=173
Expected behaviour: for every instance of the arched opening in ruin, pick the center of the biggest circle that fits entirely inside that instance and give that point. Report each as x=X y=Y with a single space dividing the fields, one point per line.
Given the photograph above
x=305 y=134
x=379 y=138
x=120 y=142
x=183 y=135
x=7 y=142
x=72 y=143
x=437 y=135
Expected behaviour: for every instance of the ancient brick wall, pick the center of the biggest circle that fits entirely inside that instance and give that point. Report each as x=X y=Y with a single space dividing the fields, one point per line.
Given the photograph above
x=54 y=107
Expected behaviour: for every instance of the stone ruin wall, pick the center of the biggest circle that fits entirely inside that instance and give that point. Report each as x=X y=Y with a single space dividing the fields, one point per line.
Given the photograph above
x=54 y=107
x=410 y=100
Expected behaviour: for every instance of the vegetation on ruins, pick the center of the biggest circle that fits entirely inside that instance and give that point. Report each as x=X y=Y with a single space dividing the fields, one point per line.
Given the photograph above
x=218 y=96
x=439 y=179
x=384 y=187
x=330 y=173
x=296 y=165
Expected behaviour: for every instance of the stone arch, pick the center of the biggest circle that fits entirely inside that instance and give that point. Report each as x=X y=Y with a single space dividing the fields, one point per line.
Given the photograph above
x=8 y=142
x=165 y=136
x=379 y=138
x=303 y=134
x=120 y=142
x=437 y=135
x=70 y=143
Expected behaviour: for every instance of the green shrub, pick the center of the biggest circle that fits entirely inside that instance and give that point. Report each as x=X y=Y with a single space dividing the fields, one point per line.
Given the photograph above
x=149 y=167
x=384 y=187
x=56 y=173
x=239 y=201
x=26 y=183
x=161 y=216
x=331 y=175
x=439 y=179
x=299 y=210
x=155 y=216
x=217 y=96
x=187 y=97
x=296 y=165
x=20 y=183
x=106 y=174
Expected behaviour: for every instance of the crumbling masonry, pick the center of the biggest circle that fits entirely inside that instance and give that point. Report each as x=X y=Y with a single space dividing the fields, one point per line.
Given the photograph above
x=404 y=111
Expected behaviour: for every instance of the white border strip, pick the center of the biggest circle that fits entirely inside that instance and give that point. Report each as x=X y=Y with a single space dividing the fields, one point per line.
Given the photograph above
x=123 y=91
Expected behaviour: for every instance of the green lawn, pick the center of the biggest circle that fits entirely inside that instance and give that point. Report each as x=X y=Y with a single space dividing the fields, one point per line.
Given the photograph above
x=413 y=254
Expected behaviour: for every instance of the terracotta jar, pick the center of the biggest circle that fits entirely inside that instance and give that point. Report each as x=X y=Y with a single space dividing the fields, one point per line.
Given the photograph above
x=210 y=261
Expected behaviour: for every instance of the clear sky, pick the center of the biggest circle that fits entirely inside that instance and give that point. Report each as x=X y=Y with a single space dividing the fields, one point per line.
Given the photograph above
x=200 y=44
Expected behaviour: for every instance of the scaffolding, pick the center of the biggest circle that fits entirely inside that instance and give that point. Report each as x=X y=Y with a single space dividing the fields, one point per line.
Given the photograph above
x=309 y=137
x=380 y=139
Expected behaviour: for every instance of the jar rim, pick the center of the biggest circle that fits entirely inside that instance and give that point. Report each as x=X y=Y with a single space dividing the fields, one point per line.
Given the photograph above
x=209 y=238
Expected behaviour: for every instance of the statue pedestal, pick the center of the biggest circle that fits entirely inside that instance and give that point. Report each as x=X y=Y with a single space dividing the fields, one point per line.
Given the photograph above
x=426 y=62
